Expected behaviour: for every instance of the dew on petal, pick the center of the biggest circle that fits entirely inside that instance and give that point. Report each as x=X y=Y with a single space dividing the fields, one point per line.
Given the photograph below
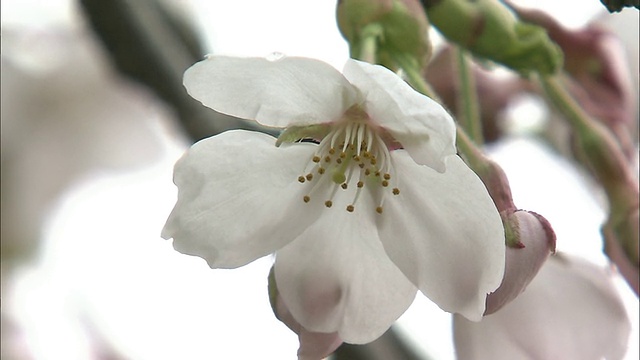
x=275 y=56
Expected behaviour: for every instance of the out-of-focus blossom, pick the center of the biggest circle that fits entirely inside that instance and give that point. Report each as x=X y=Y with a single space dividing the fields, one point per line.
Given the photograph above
x=571 y=310
x=380 y=206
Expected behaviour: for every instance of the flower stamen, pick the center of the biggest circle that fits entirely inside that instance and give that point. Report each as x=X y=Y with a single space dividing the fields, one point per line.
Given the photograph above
x=352 y=146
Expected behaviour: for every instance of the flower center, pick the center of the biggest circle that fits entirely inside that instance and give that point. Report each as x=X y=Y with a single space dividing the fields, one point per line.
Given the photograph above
x=353 y=149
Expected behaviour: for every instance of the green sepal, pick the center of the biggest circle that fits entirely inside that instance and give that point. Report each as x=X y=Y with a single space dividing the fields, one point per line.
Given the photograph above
x=296 y=133
x=511 y=231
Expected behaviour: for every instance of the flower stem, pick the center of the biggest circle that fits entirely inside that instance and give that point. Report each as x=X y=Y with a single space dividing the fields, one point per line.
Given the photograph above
x=599 y=151
x=369 y=45
x=468 y=101
x=414 y=75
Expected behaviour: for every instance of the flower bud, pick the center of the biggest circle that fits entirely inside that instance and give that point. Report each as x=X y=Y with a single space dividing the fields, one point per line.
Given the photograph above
x=490 y=30
x=530 y=241
x=399 y=26
x=313 y=345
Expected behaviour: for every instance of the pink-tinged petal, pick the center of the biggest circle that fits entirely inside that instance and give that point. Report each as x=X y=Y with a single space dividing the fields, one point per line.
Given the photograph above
x=444 y=232
x=535 y=242
x=336 y=277
x=313 y=345
x=571 y=310
x=238 y=198
x=277 y=93
x=421 y=125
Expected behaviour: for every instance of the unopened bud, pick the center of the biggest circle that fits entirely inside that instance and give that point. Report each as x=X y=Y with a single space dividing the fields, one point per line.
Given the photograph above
x=399 y=26
x=530 y=241
x=490 y=30
x=313 y=345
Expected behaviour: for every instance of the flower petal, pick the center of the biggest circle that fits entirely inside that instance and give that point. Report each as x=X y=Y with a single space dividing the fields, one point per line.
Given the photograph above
x=313 y=345
x=277 y=93
x=238 y=198
x=421 y=125
x=444 y=232
x=337 y=277
x=571 y=310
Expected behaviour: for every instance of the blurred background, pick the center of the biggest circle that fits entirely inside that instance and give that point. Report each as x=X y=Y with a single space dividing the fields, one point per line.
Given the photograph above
x=92 y=123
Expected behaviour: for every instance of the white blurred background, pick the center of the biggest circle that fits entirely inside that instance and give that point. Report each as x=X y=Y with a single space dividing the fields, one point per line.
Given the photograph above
x=87 y=158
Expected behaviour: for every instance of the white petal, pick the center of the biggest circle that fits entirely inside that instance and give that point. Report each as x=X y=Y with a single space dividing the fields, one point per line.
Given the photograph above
x=571 y=310
x=444 y=232
x=421 y=125
x=337 y=277
x=238 y=198
x=278 y=93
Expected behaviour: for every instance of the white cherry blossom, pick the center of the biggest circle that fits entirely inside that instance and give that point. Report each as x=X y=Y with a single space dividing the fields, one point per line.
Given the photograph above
x=374 y=207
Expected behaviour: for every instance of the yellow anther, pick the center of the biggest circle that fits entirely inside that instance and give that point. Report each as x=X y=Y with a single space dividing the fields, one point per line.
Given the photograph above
x=367 y=172
x=316 y=159
x=360 y=184
x=320 y=170
x=350 y=208
x=385 y=183
x=339 y=161
x=387 y=176
x=343 y=154
x=332 y=151
x=328 y=203
x=301 y=179
x=306 y=198
x=361 y=165
x=327 y=158
x=379 y=209
x=309 y=176
x=356 y=157
x=373 y=161
x=396 y=191
x=344 y=186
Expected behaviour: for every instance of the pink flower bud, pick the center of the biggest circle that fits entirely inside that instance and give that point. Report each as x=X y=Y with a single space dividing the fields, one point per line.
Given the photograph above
x=530 y=241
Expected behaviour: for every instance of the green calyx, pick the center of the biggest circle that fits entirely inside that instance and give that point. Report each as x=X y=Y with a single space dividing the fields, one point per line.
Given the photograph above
x=490 y=30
